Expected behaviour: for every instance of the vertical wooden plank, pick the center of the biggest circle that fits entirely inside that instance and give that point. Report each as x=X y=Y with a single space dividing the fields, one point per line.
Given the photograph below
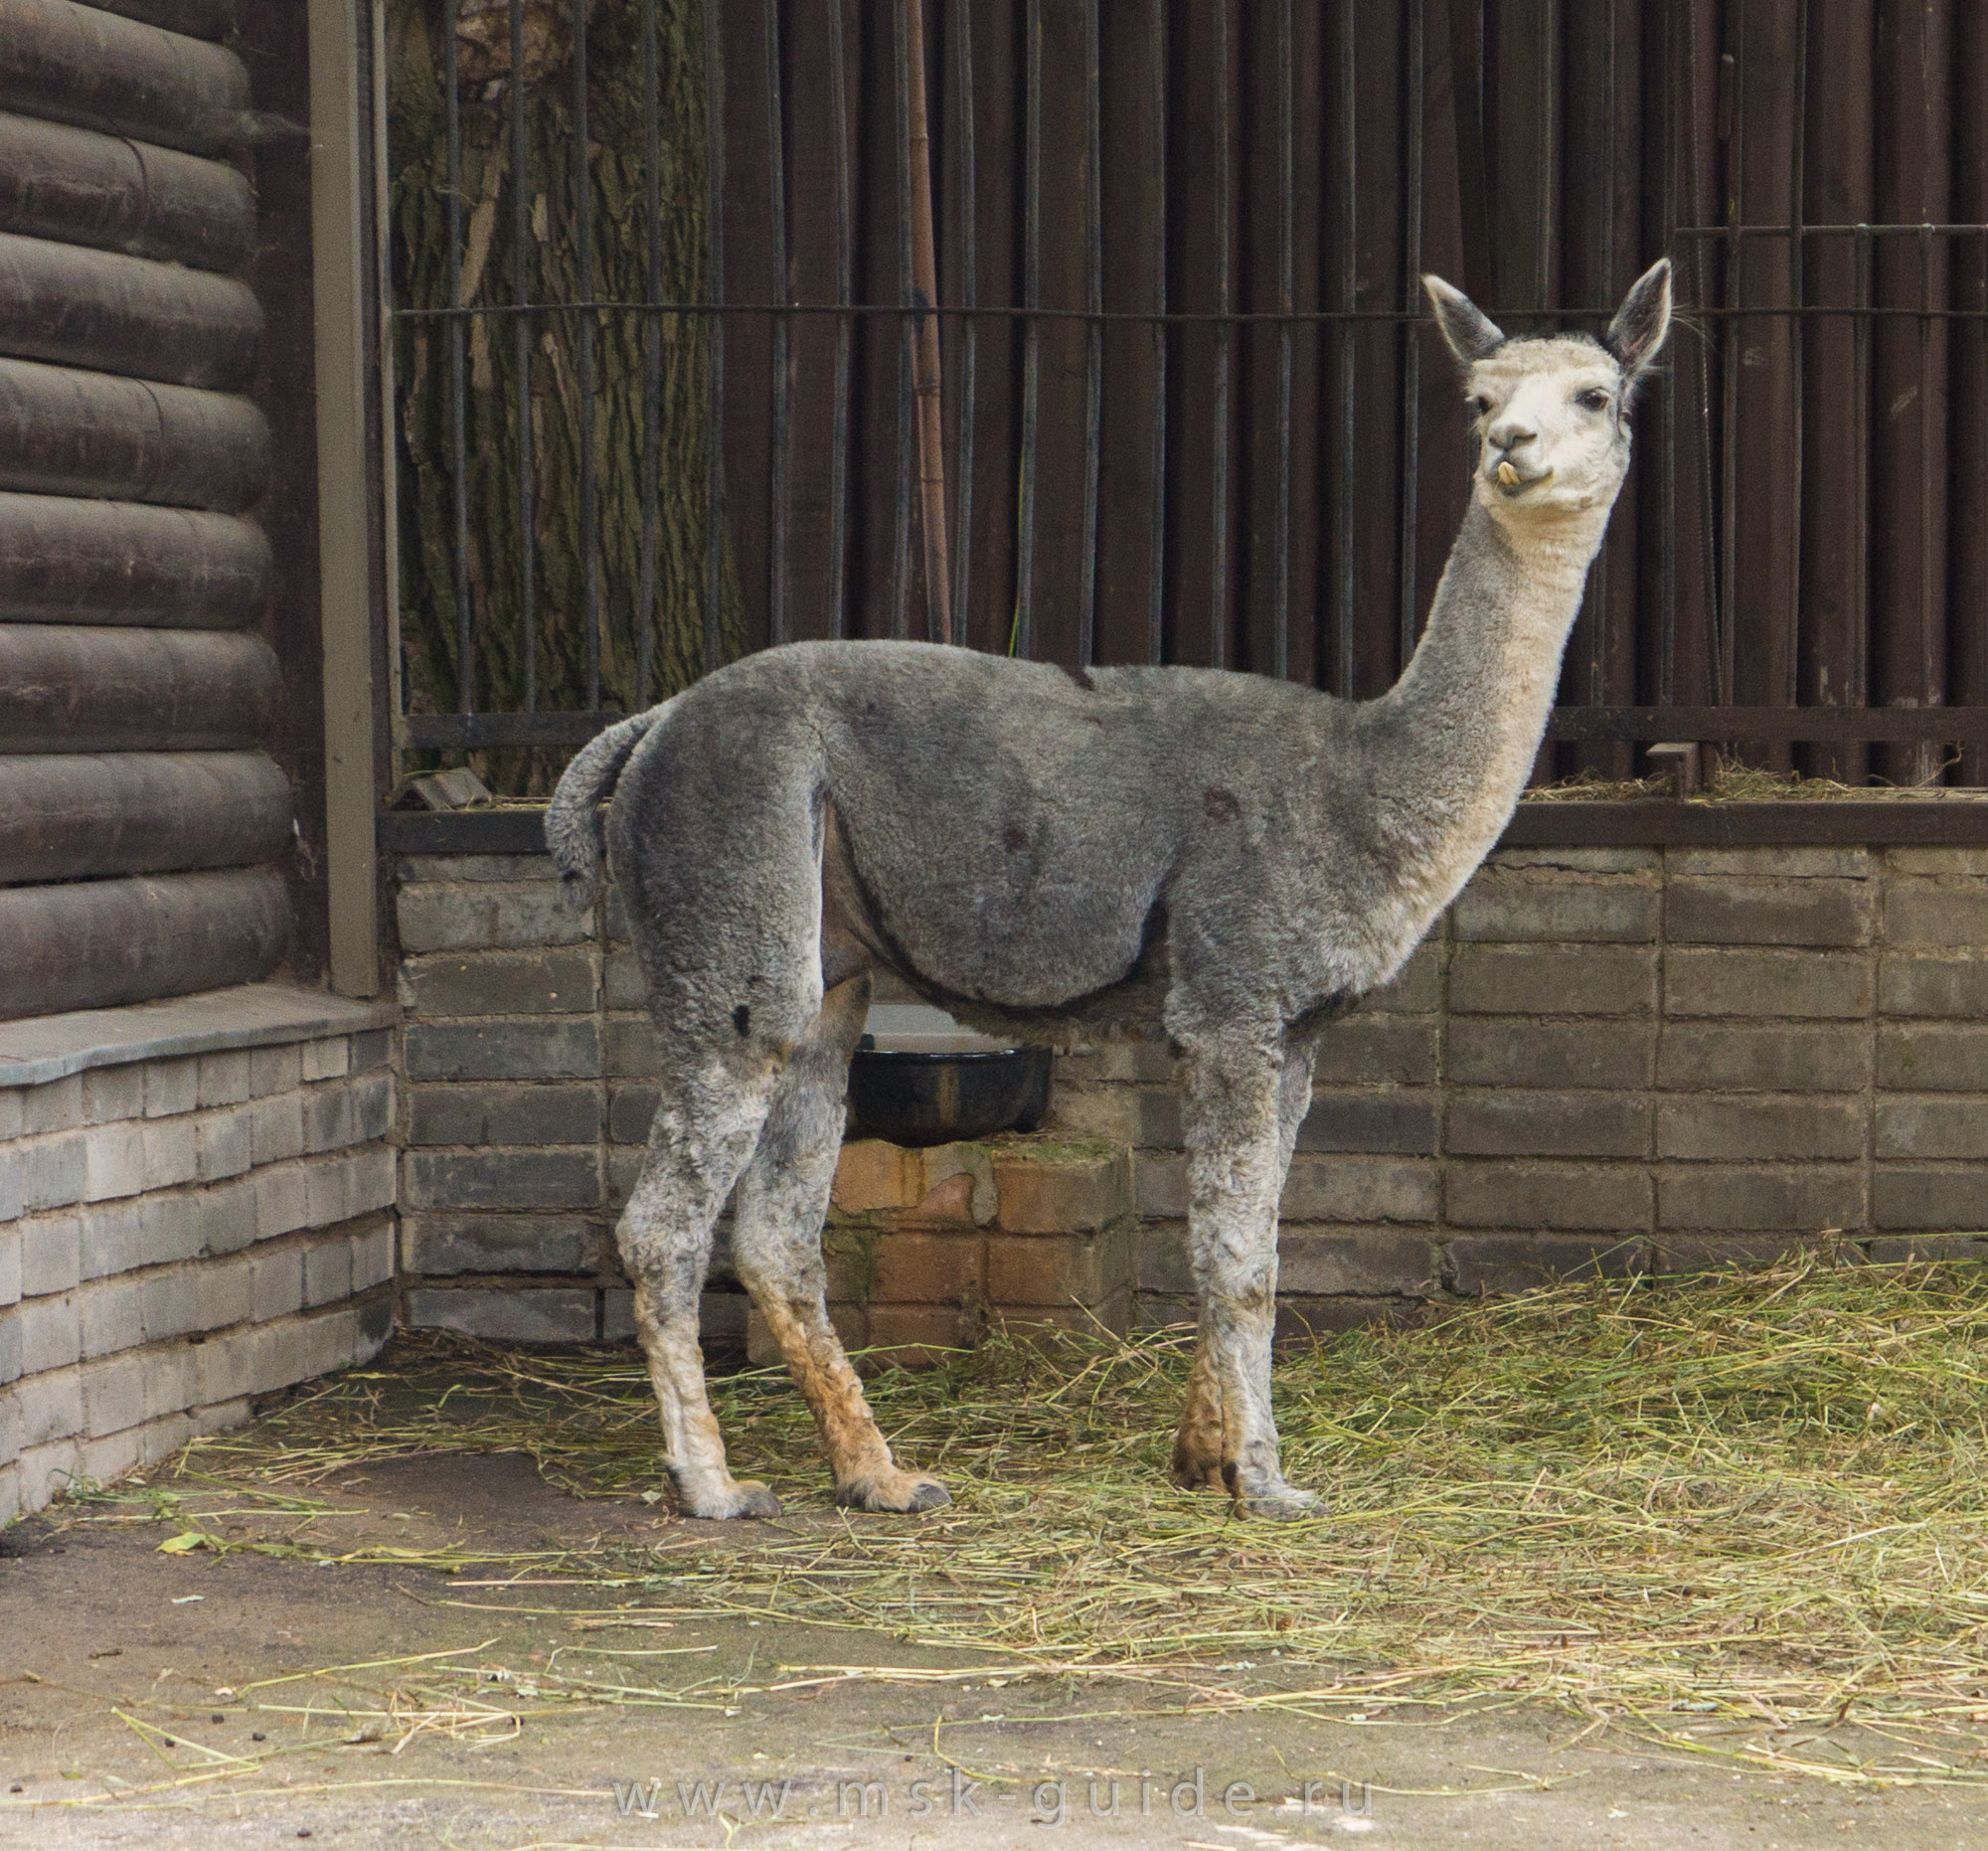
x=1603 y=245
x=1281 y=492
x=1203 y=105
x=1763 y=438
x=272 y=41
x=1132 y=177
x=811 y=222
x=748 y=339
x=1909 y=384
x=1061 y=362
x=1376 y=433
x=997 y=68
x=1830 y=665
x=345 y=606
x=1967 y=356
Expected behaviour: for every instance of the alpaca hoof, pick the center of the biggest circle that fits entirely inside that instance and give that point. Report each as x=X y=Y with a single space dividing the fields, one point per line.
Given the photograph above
x=1196 y=1475
x=1197 y=1464
x=1280 y=1504
x=894 y=1491
x=745 y=1497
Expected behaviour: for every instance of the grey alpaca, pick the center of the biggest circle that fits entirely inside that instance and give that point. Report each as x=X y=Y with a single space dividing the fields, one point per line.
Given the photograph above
x=1224 y=859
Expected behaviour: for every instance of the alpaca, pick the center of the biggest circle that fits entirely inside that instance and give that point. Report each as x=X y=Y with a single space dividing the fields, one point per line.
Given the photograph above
x=1224 y=859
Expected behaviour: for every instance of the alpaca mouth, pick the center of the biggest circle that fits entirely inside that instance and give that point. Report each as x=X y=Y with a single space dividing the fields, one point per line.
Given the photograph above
x=1512 y=483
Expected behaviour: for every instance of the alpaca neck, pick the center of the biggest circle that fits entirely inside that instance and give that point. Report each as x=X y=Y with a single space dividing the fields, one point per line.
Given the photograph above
x=1455 y=738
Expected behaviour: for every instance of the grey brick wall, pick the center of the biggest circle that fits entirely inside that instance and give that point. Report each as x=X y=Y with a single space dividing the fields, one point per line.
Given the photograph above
x=183 y=1234
x=1607 y=1060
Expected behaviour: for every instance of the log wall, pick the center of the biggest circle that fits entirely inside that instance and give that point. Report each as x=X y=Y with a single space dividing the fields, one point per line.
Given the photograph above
x=142 y=819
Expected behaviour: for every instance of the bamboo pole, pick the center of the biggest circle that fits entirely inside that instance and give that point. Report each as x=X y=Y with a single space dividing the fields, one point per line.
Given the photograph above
x=925 y=288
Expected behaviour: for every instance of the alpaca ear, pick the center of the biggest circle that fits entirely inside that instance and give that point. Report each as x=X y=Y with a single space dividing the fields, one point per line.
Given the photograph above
x=1471 y=333
x=1642 y=321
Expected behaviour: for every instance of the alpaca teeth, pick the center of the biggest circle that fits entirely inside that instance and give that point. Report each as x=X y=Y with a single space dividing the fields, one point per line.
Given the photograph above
x=1508 y=475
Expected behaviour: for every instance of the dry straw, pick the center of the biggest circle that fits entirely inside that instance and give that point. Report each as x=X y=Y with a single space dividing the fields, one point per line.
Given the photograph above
x=1739 y=1511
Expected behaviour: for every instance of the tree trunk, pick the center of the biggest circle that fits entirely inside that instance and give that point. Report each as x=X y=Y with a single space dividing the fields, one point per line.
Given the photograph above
x=423 y=357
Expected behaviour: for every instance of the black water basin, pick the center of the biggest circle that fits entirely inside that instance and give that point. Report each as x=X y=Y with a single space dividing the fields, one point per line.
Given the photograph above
x=924 y=1098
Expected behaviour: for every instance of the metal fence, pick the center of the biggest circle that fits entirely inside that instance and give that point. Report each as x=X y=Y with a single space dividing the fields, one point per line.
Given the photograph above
x=1090 y=330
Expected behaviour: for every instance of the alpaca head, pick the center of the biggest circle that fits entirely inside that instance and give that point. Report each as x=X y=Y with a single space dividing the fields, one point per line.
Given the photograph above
x=1549 y=414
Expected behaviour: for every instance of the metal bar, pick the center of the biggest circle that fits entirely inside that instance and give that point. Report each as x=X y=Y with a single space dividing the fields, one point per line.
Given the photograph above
x=1218 y=591
x=925 y=331
x=714 y=488
x=1411 y=352
x=652 y=359
x=969 y=296
x=458 y=387
x=1230 y=318
x=1281 y=587
x=1724 y=633
x=1022 y=635
x=1932 y=690
x=1859 y=452
x=521 y=287
x=1592 y=725
x=776 y=231
x=1094 y=356
x=1847 y=228
x=582 y=209
x=1349 y=282
x=845 y=268
x=1667 y=514
x=1798 y=157
x=1157 y=539
x=900 y=507
x=1773 y=725
x=1599 y=572
x=1549 y=144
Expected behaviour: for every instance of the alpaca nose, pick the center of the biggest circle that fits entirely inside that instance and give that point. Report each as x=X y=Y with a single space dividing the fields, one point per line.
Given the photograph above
x=1508 y=435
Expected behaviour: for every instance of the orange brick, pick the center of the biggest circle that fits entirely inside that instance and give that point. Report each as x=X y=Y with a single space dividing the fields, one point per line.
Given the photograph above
x=1114 y=1315
x=918 y=1336
x=872 y=1174
x=949 y=1200
x=911 y=1267
x=1059 y=1268
x=1061 y=1188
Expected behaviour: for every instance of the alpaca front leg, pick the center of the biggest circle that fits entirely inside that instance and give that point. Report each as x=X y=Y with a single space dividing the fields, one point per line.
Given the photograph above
x=1242 y=1114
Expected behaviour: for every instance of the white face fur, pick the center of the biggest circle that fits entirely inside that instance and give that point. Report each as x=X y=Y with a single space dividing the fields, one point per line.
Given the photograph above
x=1549 y=418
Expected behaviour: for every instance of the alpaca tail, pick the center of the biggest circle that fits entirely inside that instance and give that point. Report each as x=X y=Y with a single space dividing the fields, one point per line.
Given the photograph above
x=573 y=827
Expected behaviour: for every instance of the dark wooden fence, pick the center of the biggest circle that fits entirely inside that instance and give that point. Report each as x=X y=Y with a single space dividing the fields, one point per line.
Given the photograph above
x=1192 y=410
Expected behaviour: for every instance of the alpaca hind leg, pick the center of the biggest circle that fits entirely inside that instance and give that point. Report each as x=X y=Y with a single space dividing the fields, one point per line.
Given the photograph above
x=1244 y=1109
x=701 y=1136
x=776 y=1246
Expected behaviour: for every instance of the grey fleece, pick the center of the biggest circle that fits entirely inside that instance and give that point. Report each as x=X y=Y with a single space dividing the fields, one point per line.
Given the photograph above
x=1216 y=858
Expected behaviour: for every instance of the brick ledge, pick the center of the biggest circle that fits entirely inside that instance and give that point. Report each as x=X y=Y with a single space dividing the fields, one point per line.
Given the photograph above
x=254 y=1015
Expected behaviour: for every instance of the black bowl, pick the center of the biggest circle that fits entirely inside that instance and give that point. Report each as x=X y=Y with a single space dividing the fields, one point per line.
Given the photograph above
x=944 y=1099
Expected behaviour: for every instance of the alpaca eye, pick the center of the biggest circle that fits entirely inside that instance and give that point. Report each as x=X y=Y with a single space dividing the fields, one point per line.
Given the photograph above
x=1594 y=398
x=1477 y=405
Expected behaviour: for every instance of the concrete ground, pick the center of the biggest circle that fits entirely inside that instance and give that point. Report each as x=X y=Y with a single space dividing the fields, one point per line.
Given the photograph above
x=151 y=1698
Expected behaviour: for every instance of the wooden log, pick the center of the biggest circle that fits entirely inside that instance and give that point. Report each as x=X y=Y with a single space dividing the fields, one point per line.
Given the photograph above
x=63 y=560
x=92 y=944
x=69 y=816
x=64 y=689
x=130 y=315
x=82 y=64
x=85 y=188
x=198 y=19
x=63 y=431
